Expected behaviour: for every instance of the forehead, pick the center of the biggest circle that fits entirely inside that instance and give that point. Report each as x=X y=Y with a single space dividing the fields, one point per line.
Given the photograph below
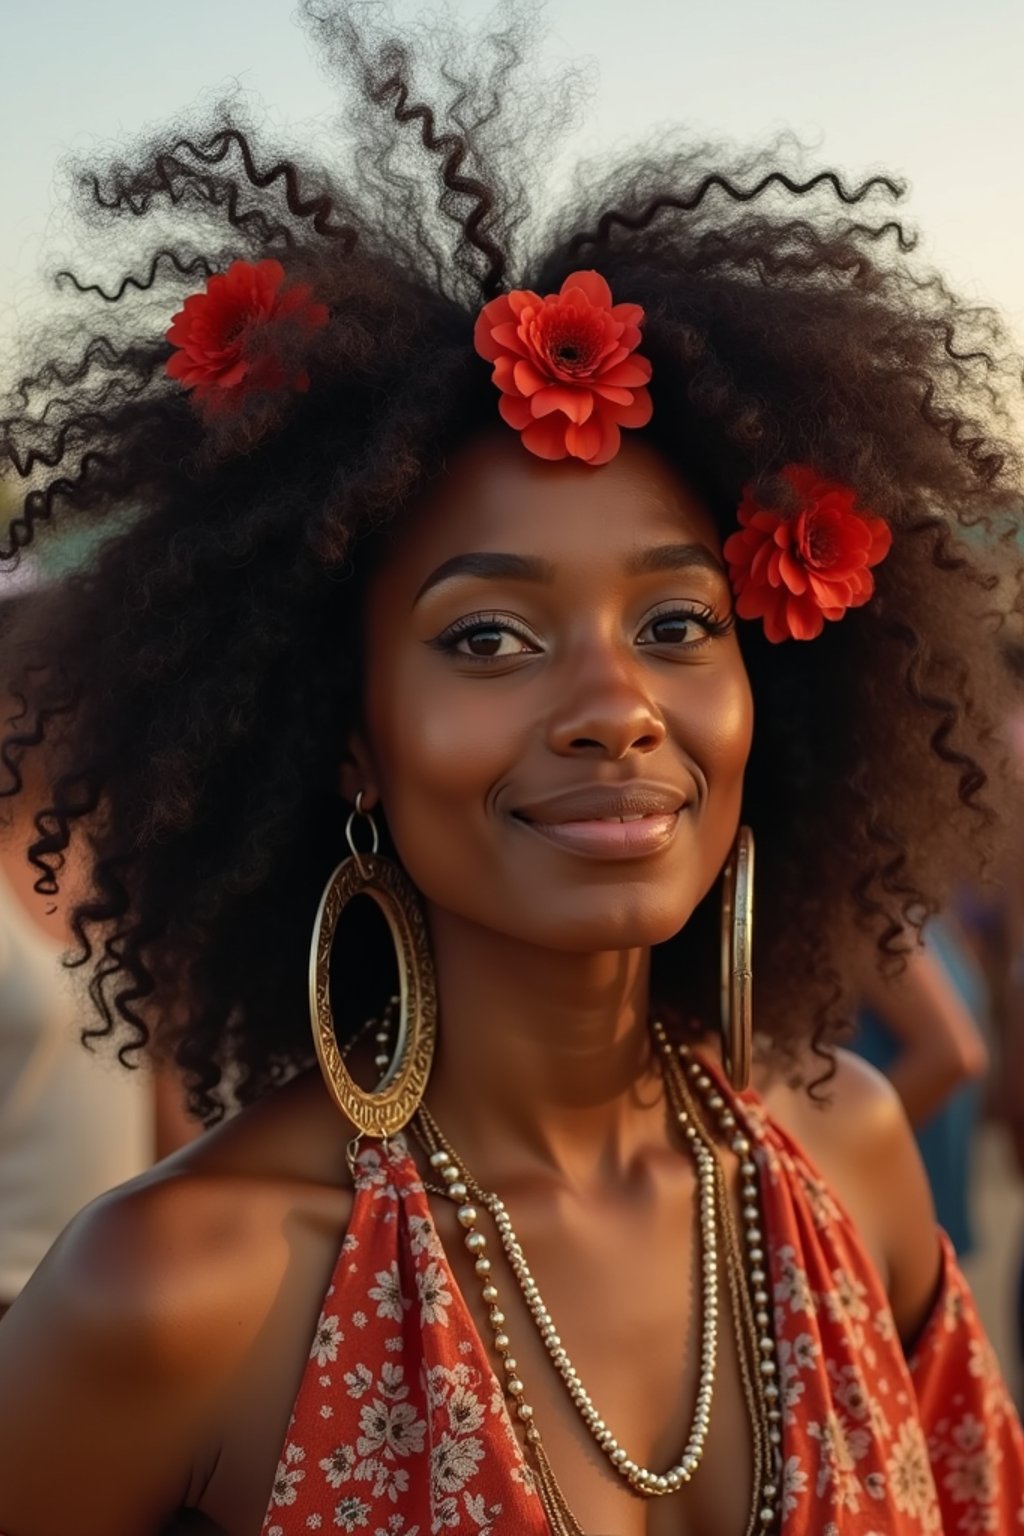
x=495 y=496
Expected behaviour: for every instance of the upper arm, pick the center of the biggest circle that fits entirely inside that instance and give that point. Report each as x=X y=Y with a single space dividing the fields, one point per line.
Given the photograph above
x=897 y=1184
x=101 y=1390
x=123 y=1362
x=864 y=1146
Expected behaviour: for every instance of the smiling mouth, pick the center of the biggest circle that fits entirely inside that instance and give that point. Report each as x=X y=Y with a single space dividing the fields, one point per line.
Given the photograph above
x=629 y=836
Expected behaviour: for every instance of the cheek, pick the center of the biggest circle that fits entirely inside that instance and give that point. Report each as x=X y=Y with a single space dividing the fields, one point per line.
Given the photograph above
x=438 y=742
x=731 y=729
x=715 y=726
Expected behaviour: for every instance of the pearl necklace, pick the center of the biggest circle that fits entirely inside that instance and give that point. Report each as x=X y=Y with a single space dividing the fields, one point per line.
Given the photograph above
x=460 y=1185
x=760 y=1389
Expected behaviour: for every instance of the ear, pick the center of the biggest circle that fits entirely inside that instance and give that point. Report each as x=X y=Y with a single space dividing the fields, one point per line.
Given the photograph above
x=358 y=773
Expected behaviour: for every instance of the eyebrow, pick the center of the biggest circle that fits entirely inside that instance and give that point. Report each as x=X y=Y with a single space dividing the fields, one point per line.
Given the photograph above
x=494 y=566
x=673 y=557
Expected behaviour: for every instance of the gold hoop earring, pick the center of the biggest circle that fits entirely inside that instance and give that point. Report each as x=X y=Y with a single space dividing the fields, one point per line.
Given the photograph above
x=737 y=1001
x=397 y=1096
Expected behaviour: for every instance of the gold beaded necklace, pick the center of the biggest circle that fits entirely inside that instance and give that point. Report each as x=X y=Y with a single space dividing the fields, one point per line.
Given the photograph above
x=749 y=1297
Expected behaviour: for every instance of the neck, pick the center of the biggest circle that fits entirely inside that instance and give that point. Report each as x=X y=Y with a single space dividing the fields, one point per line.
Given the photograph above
x=544 y=1060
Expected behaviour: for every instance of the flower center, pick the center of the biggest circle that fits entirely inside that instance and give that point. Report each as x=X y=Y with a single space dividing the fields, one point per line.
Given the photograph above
x=571 y=343
x=236 y=325
x=821 y=544
x=571 y=353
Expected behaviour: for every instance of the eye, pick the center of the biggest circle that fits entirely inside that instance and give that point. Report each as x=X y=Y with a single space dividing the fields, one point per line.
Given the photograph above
x=486 y=638
x=683 y=628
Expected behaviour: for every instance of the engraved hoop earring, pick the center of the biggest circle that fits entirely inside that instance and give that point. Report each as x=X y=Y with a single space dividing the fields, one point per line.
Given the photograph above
x=394 y=1101
x=737 y=1001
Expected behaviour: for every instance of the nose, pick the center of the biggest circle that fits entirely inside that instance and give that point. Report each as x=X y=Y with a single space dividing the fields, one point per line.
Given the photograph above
x=604 y=709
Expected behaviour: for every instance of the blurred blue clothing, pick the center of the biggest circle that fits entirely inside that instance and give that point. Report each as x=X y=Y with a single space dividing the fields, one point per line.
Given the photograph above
x=946 y=1139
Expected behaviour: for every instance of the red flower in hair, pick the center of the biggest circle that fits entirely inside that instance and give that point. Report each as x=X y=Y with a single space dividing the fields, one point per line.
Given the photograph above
x=567 y=367
x=797 y=569
x=225 y=336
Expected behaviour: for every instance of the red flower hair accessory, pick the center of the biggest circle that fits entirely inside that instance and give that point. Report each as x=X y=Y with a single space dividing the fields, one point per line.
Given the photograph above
x=225 y=336
x=797 y=569
x=567 y=367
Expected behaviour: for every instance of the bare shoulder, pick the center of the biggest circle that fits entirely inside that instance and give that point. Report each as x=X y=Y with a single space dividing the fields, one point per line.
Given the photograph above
x=231 y=1201
x=855 y=1097
x=857 y=1133
x=855 y=1108
x=122 y=1347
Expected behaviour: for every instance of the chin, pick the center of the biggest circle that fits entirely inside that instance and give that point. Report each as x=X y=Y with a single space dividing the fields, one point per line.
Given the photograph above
x=632 y=920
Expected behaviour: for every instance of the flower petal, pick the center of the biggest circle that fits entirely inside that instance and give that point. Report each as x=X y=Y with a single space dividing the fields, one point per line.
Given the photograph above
x=804 y=618
x=776 y=625
x=577 y=404
x=584 y=440
x=638 y=413
x=546 y=437
x=593 y=286
x=516 y=411
x=504 y=373
x=760 y=563
x=528 y=379
x=508 y=339
x=792 y=572
x=233 y=375
x=735 y=548
x=611 y=394
x=521 y=301
x=753 y=602
x=611 y=440
x=493 y=315
x=629 y=374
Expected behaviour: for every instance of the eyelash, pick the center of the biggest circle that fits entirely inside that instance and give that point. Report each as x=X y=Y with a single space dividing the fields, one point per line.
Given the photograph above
x=713 y=626
x=474 y=623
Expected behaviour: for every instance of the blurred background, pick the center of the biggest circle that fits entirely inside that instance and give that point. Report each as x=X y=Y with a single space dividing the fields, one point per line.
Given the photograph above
x=930 y=92
x=923 y=88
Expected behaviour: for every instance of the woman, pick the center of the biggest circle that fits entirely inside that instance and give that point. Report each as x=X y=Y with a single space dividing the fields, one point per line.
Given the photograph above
x=521 y=676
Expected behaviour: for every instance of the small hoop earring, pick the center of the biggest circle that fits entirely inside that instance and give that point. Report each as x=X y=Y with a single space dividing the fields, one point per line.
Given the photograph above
x=392 y=1104
x=737 y=1002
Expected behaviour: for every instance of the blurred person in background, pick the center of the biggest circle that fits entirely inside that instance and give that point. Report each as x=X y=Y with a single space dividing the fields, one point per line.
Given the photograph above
x=998 y=927
x=926 y=1030
x=73 y=1122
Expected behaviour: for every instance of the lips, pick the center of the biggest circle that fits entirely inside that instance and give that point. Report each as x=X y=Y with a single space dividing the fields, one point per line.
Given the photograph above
x=621 y=821
x=604 y=802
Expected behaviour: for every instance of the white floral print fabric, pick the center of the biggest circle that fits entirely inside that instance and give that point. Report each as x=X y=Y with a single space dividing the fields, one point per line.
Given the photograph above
x=401 y=1429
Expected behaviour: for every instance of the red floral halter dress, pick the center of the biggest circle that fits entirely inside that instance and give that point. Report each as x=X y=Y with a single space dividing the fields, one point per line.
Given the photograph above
x=400 y=1427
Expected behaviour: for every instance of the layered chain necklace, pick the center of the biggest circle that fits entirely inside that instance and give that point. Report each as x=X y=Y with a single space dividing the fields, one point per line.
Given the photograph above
x=746 y=1280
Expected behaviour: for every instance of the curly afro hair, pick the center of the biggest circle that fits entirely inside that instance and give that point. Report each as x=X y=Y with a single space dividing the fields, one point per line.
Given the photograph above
x=190 y=693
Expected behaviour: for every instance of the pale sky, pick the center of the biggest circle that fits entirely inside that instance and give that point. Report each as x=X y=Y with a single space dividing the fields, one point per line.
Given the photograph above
x=930 y=89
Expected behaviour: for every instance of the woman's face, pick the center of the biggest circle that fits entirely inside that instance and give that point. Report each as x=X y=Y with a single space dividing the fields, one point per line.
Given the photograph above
x=557 y=715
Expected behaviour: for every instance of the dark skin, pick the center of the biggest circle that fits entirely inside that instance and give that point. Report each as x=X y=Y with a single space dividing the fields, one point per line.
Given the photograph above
x=195 y=1291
